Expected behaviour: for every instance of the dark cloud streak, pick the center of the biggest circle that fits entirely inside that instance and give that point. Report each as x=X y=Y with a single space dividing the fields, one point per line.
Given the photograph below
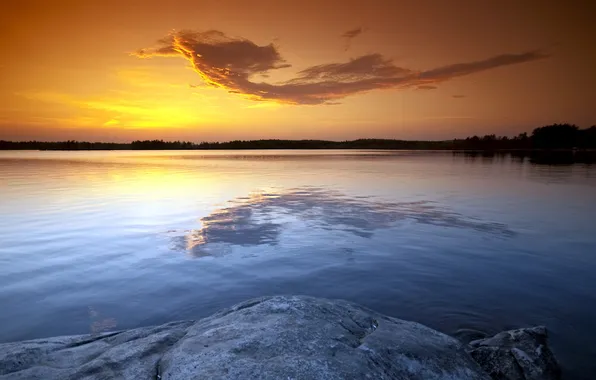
x=350 y=35
x=231 y=63
x=426 y=87
x=460 y=69
x=353 y=33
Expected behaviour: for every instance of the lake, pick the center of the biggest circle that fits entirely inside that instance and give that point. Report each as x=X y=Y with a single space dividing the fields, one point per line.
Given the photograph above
x=467 y=244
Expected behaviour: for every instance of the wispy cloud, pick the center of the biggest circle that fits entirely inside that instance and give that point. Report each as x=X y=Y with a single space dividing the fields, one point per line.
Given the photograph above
x=111 y=122
x=449 y=117
x=350 y=35
x=460 y=69
x=232 y=64
x=426 y=87
x=110 y=111
x=353 y=33
x=458 y=96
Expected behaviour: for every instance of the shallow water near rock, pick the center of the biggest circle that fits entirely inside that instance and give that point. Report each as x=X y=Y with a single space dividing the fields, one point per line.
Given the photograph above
x=468 y=245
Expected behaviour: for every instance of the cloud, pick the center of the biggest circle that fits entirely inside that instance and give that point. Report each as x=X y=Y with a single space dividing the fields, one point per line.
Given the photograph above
x=353 y=33
x=365 y=67
x=232 y=63
x=460 y=69
x=426 y=87
x=350 y=35
x=449 y=118
x=111 y=122
x=458 y=96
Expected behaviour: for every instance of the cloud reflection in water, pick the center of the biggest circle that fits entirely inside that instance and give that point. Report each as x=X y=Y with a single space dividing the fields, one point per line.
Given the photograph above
x=260 y=218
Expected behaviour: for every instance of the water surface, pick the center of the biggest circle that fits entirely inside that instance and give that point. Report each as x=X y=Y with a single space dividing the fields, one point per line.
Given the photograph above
x=469 y=245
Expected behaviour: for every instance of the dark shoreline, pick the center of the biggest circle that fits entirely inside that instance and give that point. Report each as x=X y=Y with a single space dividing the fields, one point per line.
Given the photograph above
x=555 y=137
x=534 y=156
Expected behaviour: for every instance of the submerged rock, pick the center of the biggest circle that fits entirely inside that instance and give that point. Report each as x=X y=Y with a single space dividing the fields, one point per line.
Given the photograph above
x=521 y=354
x=265 y=338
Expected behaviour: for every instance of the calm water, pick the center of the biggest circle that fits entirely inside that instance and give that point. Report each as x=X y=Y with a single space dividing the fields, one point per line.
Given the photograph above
x=470 y=246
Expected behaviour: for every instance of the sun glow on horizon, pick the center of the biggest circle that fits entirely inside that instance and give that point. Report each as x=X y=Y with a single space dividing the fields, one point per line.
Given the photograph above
x=146 y=99
x=289 y=70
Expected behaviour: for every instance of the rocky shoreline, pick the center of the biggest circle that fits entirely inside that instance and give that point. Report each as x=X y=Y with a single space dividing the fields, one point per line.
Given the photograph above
x=283 y=337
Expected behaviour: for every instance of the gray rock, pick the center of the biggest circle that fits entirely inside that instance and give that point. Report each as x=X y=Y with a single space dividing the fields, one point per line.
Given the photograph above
x=265 y=338
x=309 y=338
x=521 y=354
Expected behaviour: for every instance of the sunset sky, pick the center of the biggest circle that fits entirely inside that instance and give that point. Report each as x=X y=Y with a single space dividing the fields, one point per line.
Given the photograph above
x=205 y=70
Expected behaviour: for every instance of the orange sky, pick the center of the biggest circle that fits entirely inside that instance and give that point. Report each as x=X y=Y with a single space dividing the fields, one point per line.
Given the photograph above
x=218 y=70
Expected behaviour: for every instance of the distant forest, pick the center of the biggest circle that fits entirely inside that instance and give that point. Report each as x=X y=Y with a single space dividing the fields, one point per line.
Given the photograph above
x=550 y=137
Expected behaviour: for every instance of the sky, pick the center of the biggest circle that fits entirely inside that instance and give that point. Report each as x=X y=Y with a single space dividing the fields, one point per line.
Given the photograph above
x=204 y=70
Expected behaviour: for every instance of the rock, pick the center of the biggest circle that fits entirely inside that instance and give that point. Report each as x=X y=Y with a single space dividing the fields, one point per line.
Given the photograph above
x=309 y=338
x=521 y=354
x=265 y=338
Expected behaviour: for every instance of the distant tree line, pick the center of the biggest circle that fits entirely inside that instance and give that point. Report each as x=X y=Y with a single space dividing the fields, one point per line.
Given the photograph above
x=85 y=145
x=325 y=144
x=230 y=145
x=556 y=136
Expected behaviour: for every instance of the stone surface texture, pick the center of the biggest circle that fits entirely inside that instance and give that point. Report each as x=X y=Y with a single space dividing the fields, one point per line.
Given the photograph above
x=281 y=337
x=521 y=354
